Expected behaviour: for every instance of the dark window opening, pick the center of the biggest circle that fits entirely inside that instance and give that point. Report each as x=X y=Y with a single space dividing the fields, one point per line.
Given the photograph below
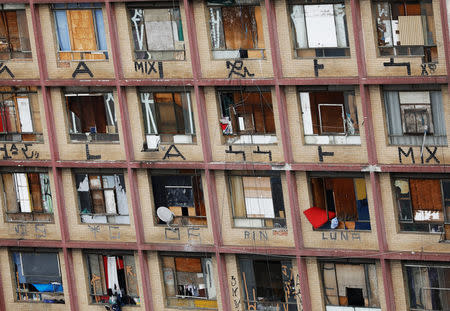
x=92 y=117
x=182 y=194
x=38 y=277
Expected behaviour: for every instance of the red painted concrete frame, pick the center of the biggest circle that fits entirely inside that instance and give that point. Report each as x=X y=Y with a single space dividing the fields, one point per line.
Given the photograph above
x=287 y=151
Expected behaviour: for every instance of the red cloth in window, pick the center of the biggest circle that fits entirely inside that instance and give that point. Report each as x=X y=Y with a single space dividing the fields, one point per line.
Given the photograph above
x=105 y=266
x=119 y=263
x=317 y=216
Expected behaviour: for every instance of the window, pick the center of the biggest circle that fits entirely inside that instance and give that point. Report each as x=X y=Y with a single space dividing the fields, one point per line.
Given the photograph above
x=406 y=28
x=182 y=193
x=27 y=197
x=19 y=115
x=320 y=30
x=157 y=31
x=91 y=117
x=330 y=116
x=415 y=118
x=423 y=204
x=350 y=284
x=102 y=198
x=80 y=31
x=428 y=285
x=168 y=118
x=38 y=277
x=247 y=116
x=189 y=282
x=341 y=197
x=236 y=29
x=112 y=275
x=257 y=201
x=268 y=284
x=14 y=37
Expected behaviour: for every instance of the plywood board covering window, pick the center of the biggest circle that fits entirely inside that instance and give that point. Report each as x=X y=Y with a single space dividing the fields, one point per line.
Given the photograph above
x=14 y=36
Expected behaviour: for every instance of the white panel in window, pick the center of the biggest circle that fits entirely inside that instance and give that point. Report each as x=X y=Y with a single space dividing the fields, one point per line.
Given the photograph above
x=306 y=113
x=26 y=122
x=414 y=97
x=320 y=26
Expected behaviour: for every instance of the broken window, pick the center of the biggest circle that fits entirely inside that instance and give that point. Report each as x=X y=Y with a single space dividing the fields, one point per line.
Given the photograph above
x=248 y=116
x=189 y=282
x=344 y=200
x=406 y=28
x=102 y=198
x=168 y=118
x=157 y=31
x=415 y=117
x=92 y=117
x=236 y=29
x=14 y=37
x=268 y=284
x=19 y=115
x=350 y=284
x=428 y=285
x=257 y=200
x=330 y=116
x=38 y=277
x=112 y=275
x=320 y=30
x=182 y=193
x=423 y=204
x=80 y=31
x=27 y=196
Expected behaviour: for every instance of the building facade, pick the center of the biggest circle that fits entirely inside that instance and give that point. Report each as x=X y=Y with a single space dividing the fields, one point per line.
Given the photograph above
x=225 y=155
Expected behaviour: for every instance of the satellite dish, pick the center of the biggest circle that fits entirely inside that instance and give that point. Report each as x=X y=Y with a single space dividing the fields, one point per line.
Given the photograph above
x=165 y=214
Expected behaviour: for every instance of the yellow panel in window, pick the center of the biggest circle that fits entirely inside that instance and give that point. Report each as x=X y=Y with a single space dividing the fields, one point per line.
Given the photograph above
x=200 y=303
x=360 y=185
x=82 y=31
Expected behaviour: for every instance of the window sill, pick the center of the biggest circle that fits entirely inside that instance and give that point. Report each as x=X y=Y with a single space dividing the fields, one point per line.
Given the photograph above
x=344 y=308
x=251 y=140
x=332 y=140
x=259 y=223
x=104 y=219
x=237 y=54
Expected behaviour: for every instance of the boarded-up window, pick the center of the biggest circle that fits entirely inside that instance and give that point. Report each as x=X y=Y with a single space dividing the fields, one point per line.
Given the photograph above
x=406 y=28
x=102 y=198
x=38 y=277
x=14 y=37
x=92 y=114
x=189 y=282
x=428 y=285
x=246 y=112
x=27 y=196
x=320 y=30
x=168 y=118
x=80 y=31
x=19 y=116
x=421 y=204
x=347 y=197
x=112 y=275
x=352 y=285
x=257 y=201
x=182 y=193
x=236 y=31
x=157 y=31
x=329 y=113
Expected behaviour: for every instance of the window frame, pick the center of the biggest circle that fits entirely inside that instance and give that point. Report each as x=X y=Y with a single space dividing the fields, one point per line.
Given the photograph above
x=198 y=198
x=75 y=131
x=203 y=263
x=90 y=281
x=136 y=19
x=425 y=50
x=297 y=51
x=440 y=225
x=27 y=54
x=18 y=293
x=119 y=177
x=13 y=94
x=96 y=55
x=348 y=224
x=47 y=205
x=240 y=53
x=276 y=222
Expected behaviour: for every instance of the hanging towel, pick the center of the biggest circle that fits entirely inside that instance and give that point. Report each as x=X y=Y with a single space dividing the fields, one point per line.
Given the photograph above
x=113 y=280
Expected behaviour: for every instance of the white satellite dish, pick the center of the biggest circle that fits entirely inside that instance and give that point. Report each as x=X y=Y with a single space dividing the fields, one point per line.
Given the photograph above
x=165 y=214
